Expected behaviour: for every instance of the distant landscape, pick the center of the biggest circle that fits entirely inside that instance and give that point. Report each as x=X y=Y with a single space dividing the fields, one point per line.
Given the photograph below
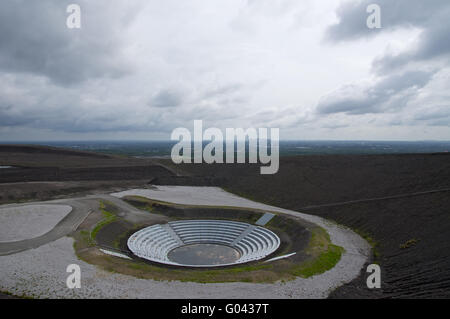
x=287 y=148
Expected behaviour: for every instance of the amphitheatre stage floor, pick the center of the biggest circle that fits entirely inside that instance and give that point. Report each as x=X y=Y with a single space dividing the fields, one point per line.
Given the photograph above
x=36 y=267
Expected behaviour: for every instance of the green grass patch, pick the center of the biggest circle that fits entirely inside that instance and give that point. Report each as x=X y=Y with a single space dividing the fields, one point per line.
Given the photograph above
x=86 y=238
x=107 y=219
x=325 y=255
x=324 y=262
x=22 y=296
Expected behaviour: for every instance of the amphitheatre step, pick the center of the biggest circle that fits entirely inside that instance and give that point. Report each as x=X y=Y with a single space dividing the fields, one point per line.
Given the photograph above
x=247 y=231
x=173 y=233
x=267 y=217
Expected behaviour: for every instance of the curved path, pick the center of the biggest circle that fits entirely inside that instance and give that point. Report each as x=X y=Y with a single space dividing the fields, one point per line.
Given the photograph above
x=25 y=222
x=68 y=224
x=81 y=208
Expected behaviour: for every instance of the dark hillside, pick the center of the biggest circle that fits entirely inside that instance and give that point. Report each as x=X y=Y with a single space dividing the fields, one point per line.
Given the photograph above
x=411 y=230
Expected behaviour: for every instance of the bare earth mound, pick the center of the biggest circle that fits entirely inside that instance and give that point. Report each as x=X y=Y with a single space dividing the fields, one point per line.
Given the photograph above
x=399 y=202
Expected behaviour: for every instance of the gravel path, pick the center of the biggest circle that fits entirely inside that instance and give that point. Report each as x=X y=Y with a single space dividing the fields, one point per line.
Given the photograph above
x=29 y=221
x=41 y=272
x=78 y=209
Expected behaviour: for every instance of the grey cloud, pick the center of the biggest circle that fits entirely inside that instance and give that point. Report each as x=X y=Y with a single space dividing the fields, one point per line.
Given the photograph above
x=397 y=84
x=433 y=44
x=435 y=116
x=352 y=17
x=9 y=119
x=68 y=119
x=352 y=23
x=391 y=93
x=74 y=110
x=57 y=80
x=430 y=16
x=34 y=39
x=331 y=126
x=166 y=98
x=222 y=90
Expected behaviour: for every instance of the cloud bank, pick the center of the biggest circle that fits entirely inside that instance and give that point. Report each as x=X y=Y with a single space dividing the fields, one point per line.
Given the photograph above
x=138 y=69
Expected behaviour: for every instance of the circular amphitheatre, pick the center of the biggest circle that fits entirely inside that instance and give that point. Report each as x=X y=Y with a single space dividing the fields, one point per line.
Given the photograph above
x=203 y=243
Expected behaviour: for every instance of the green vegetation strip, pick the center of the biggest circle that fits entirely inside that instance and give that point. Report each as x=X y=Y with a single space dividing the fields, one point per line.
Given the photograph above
x=107 y=219
x=325 y=255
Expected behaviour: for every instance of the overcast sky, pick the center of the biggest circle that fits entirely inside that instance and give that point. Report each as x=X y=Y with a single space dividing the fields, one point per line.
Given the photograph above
x=138 y=69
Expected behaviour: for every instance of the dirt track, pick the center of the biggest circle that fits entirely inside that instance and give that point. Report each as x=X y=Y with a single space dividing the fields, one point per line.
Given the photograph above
x=64 y=227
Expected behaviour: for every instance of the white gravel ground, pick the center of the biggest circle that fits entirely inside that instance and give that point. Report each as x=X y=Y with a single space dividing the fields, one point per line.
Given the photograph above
x=42 y=272
x=29 y=221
